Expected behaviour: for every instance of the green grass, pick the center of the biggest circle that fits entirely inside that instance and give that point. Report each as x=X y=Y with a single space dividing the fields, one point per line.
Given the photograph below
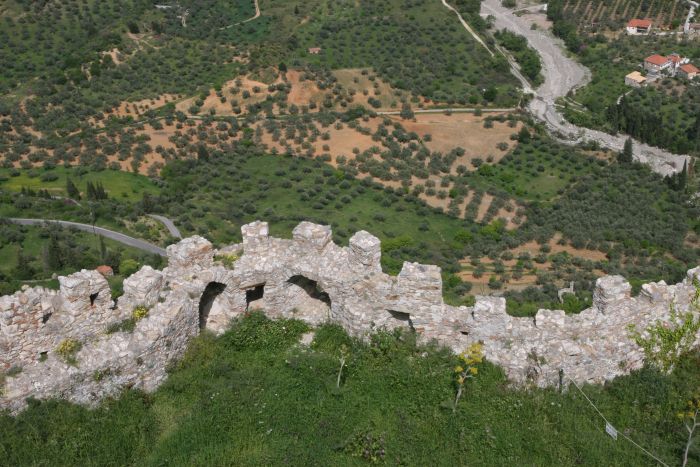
x=536 y=171
x=118 y=184
x=253 y=397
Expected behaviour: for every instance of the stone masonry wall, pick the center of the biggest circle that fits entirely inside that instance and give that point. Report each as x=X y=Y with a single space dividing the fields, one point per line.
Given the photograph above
x=309 y=278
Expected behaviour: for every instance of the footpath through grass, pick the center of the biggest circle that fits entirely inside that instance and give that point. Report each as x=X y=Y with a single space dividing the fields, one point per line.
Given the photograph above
x=256 y=397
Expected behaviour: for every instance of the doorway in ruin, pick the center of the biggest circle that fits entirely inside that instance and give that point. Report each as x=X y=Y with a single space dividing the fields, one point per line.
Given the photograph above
x=206 y=302
x=404 y=320
x=309 y=301
x=254 y=296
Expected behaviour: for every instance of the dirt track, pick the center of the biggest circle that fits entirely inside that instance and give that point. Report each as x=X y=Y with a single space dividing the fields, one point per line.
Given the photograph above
x=562 y=74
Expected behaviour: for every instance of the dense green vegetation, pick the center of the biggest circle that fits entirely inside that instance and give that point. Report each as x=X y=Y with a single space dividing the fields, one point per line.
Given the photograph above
x=32 y=255
x=526 y=56
x=388 y=36
x=663 y=117
x=255 y=397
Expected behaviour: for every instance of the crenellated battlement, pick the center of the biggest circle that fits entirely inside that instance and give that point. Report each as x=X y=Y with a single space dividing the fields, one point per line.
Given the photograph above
x=309 y=278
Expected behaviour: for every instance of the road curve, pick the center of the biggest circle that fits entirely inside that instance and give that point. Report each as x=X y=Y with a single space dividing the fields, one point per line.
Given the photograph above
x=561 y=75
x=256 y=16
x=169 y=224
x=111 y=234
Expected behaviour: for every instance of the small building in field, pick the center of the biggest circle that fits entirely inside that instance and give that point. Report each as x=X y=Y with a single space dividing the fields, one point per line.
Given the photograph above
x=639 y=26
x=636 y=80
x=689 y=71
x=657 y=63
x=315 y=50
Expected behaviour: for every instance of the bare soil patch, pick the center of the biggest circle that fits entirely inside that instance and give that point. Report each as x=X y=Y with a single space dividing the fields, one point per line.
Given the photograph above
x=241 y=92
x=115 y=54
x=303 y=91
x=529 y=276
x=464 y=130
x=539 y=19
x=534 y=248
x=138 y=108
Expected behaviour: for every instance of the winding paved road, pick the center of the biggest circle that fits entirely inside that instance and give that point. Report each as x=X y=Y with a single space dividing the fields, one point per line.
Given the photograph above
x=169 y=224
x=561 y=75
x=111 y=234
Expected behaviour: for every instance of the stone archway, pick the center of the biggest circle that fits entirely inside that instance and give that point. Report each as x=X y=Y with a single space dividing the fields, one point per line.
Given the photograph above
x=206 y=302
x=308 y=301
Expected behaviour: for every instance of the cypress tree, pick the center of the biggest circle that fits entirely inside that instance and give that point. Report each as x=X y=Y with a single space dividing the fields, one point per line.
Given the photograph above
x=24 y=270
x=72 y=190
x=625 y=156
x=90 y=190
x=683 y=177
x=53 y=256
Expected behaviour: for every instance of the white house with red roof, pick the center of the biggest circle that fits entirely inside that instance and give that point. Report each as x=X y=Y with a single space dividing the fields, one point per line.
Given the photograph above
x=639 y=26
x=657 y=63
x=689 y=71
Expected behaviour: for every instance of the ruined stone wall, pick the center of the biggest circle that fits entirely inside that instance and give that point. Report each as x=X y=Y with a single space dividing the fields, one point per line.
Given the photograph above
x=310 y=278
x=34 y=321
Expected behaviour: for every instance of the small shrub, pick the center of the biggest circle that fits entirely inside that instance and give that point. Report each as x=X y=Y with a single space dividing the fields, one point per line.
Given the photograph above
x=68 y=349
x=256 y=331
x=466 y=369
x=139 y=313
x=366 y=445
x=668 y=341
x=227 y=259
x=99 y=375
x=126 y=325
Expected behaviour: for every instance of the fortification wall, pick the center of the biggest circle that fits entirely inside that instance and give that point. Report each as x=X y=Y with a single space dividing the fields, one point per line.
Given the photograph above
x=308 y=278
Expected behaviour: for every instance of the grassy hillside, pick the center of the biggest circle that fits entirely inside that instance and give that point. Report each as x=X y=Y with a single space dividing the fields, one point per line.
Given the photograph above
x=117 y=184
x=255 y=397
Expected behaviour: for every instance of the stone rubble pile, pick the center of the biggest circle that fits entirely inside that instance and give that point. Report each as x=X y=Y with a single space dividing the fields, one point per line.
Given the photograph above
x=309 y=278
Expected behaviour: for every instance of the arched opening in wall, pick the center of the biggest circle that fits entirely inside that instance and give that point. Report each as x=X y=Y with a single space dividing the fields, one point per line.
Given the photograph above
x=254 y=296
x=212 y=290
x=310 y=302
x=404 y=318
x=311 y=288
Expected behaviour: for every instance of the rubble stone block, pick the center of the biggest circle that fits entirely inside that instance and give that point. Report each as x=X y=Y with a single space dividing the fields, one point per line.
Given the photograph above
x=366 y=250
x=610 y=290
x=312 y=235
x=192 y=251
